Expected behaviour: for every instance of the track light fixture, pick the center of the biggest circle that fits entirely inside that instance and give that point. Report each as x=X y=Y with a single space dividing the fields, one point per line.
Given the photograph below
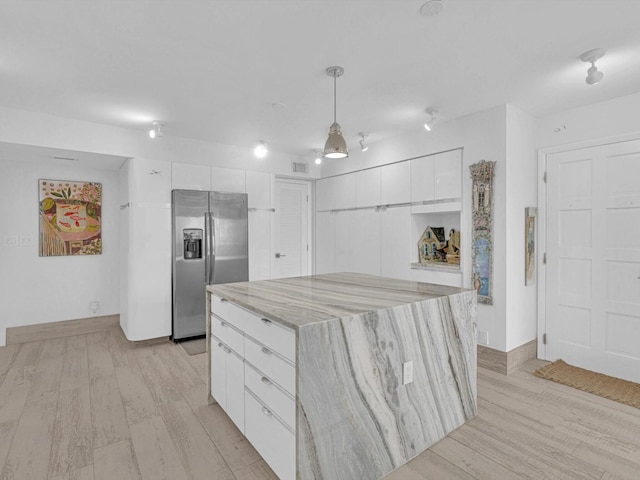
x=156 y=130
x=363 y=147
x=318 y=155
x=335 y=147
x=431 y=118
x=593 y=75
x=261 y=149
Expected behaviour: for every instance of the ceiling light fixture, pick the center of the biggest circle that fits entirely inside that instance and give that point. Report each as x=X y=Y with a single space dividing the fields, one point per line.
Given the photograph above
x=593 y=75
x=156 y=131
x=335 y=147
x=363 y=147
x=318 y=155
x=431 y=118
x=432 y=8
x=261 y=149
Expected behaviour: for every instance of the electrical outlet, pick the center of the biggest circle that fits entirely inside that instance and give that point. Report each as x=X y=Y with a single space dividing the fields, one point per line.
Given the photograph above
x=483 y=337
x=26 y=240
x=407 y=372
x=11 y=240
x=93 y=306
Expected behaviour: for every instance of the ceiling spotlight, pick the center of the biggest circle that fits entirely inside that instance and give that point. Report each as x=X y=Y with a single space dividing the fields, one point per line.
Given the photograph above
x=431 y=8
x=593 y=75
x=318 y=155
x=363 y=147
x=261 y=149
x=156 y=131
x=431 y=118
x=335 y=147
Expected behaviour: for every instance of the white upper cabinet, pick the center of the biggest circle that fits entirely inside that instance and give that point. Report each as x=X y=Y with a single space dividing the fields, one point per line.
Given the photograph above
x=190 y=177
x=448 y=175
x=368 y=187
x=366 y=242
x=395 y=183
x=227 y=180
x=259 y=189
x=324 y=247
x=324 y=194
x=422 y=179
x=150 y=182
x=344 y=191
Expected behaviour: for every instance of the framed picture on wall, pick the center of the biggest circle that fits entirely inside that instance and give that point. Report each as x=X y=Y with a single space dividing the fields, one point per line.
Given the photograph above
x=530 y=246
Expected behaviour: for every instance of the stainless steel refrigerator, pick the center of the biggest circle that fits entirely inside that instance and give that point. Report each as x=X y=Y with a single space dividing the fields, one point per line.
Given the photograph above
x=210 y=245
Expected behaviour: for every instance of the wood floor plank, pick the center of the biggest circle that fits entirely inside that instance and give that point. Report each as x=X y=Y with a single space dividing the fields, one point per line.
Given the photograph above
x=199 y=455
x=72 y=447
x=136 y=397
x=46 y=379
x=155 y=452
x=176 y=362
x=164 y=385
x=99 y=356
x=28 y=456
x=7 y=432
x=613 y=464
x=405 y=473
x=75 y=367
x=256 y=471
x=116 y=462
x=7 y=354
x=27 y=358
x=108 y=417
x=85 y=473
x=13 y=395
x=433 y=467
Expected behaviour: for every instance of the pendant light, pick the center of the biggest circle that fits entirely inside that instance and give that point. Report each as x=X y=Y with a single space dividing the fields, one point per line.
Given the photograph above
x=335 y=147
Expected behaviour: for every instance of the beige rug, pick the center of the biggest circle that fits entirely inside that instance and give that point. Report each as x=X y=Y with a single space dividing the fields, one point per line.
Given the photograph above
x=194 y=347
x=616 y=389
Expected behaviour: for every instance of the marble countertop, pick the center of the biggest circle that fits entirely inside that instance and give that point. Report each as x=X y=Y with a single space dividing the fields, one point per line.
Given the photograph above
x=301 y=301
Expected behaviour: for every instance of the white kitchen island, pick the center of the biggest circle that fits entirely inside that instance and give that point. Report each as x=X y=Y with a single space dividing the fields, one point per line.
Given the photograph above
x=342 y=376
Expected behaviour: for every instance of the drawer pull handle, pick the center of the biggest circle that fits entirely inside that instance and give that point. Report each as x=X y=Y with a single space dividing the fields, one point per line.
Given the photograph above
x=266 y=351
x=227 y=349
x=265 y=321
x=220 y=345
x=223 y=300
x=266 y=411
x=223 y=324
x=266 y=381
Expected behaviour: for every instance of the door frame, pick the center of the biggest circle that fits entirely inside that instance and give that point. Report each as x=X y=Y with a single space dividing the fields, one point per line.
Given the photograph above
x=310 y=219
x=543 y=153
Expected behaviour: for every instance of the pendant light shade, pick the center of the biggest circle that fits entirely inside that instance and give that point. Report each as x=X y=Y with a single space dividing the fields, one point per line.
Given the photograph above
x=336 y=147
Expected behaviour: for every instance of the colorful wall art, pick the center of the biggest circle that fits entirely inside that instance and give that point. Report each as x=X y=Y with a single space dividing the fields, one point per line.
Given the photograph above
x=70 y=218
x=530 y=245
x=482 y=236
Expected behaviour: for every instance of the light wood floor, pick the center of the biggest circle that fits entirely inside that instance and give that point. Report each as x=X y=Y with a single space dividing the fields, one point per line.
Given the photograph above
x=95 y=407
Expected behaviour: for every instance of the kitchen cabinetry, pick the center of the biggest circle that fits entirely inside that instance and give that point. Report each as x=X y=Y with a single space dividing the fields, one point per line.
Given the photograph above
x=325 y=226
x=395 y=183
x=366 y=242
x=227 y=180
x=344 y=191
x=190 y=177
x=259 y=186
x=253 y=379
x=324 y=194
x=368 y=188
x=395 y=242
x=437 y=177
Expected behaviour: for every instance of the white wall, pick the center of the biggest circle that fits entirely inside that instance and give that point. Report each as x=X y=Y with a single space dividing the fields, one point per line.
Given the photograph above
x=482 y=136
x=521 y=192
x=48 y=289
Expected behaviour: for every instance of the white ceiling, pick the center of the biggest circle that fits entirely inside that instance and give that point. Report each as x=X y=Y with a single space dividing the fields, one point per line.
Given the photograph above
x=213 y=69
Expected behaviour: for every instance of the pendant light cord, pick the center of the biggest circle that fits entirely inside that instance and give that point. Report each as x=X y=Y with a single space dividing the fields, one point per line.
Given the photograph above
x=334 y=96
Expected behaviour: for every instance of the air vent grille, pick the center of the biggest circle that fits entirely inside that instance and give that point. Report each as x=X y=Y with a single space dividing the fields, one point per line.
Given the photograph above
x=299 y=167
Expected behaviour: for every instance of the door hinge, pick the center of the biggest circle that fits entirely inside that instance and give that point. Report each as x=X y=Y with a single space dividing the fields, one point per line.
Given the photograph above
x=544 y=338
x=544 y=177
x=544 y=258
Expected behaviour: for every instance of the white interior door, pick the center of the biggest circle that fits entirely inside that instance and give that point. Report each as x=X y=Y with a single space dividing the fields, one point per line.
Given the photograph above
x=291 y=229
x=593 y=258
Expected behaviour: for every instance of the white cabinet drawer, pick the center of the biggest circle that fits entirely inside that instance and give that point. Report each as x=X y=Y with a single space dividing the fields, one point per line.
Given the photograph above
x=277 y=369
x=274 y=398
x=274 y=336
x=228 y=334
x=273 y=441
x=229 y=312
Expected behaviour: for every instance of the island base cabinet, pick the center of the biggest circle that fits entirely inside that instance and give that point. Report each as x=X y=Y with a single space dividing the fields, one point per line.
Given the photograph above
x=227 y=381
x=273 y=441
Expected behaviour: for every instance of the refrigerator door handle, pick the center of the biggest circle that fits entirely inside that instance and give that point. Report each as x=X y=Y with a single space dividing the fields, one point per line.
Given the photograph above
x=212 y=245
x=207 y=249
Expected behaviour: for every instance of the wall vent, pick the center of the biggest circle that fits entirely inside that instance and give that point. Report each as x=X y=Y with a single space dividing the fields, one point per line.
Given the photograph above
x=299 y=167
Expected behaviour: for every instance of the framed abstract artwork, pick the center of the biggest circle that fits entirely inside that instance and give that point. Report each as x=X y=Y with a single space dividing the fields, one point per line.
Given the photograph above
x=530 y=246
x=70 y=218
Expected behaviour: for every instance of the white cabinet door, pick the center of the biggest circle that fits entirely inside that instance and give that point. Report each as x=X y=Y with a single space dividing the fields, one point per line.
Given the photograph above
x=235 y=389
x=395 y=183
x=422 y=179
x=368 y=187
x=190 y=177
x=260 y=245
x=366 y=242
x=324 y=194
x=395 y=243
x=448 y=175
x=218 y=373
x=325 y=225
x=344 y=191
x=345 y=226
x=259 y=189
x=227 y=180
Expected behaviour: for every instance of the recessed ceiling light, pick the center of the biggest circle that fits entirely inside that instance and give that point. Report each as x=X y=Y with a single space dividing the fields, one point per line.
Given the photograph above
x=261 y=149
x=432 y=8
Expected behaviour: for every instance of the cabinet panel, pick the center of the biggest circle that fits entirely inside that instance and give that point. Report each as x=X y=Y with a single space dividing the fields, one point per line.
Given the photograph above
x=448 y=174
x=395 y=183
x=150 y=181
x=366 y=243
x=344 y=191
x=324 y=194
x=368 y=187
x=422 y=179
x=190 y=177
x=235 y=389
x=218 y=372
x=227 y=334
x=274 y=398
x=273 y=366
x=344 y=232
x=259 y=189
x=227 y=180
x=260 y=245
x=274 y=336
x=396 y=243
x=324 y=242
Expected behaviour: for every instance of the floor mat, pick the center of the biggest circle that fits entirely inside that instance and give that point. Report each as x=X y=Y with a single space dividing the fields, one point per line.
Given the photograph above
x=194 y=347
